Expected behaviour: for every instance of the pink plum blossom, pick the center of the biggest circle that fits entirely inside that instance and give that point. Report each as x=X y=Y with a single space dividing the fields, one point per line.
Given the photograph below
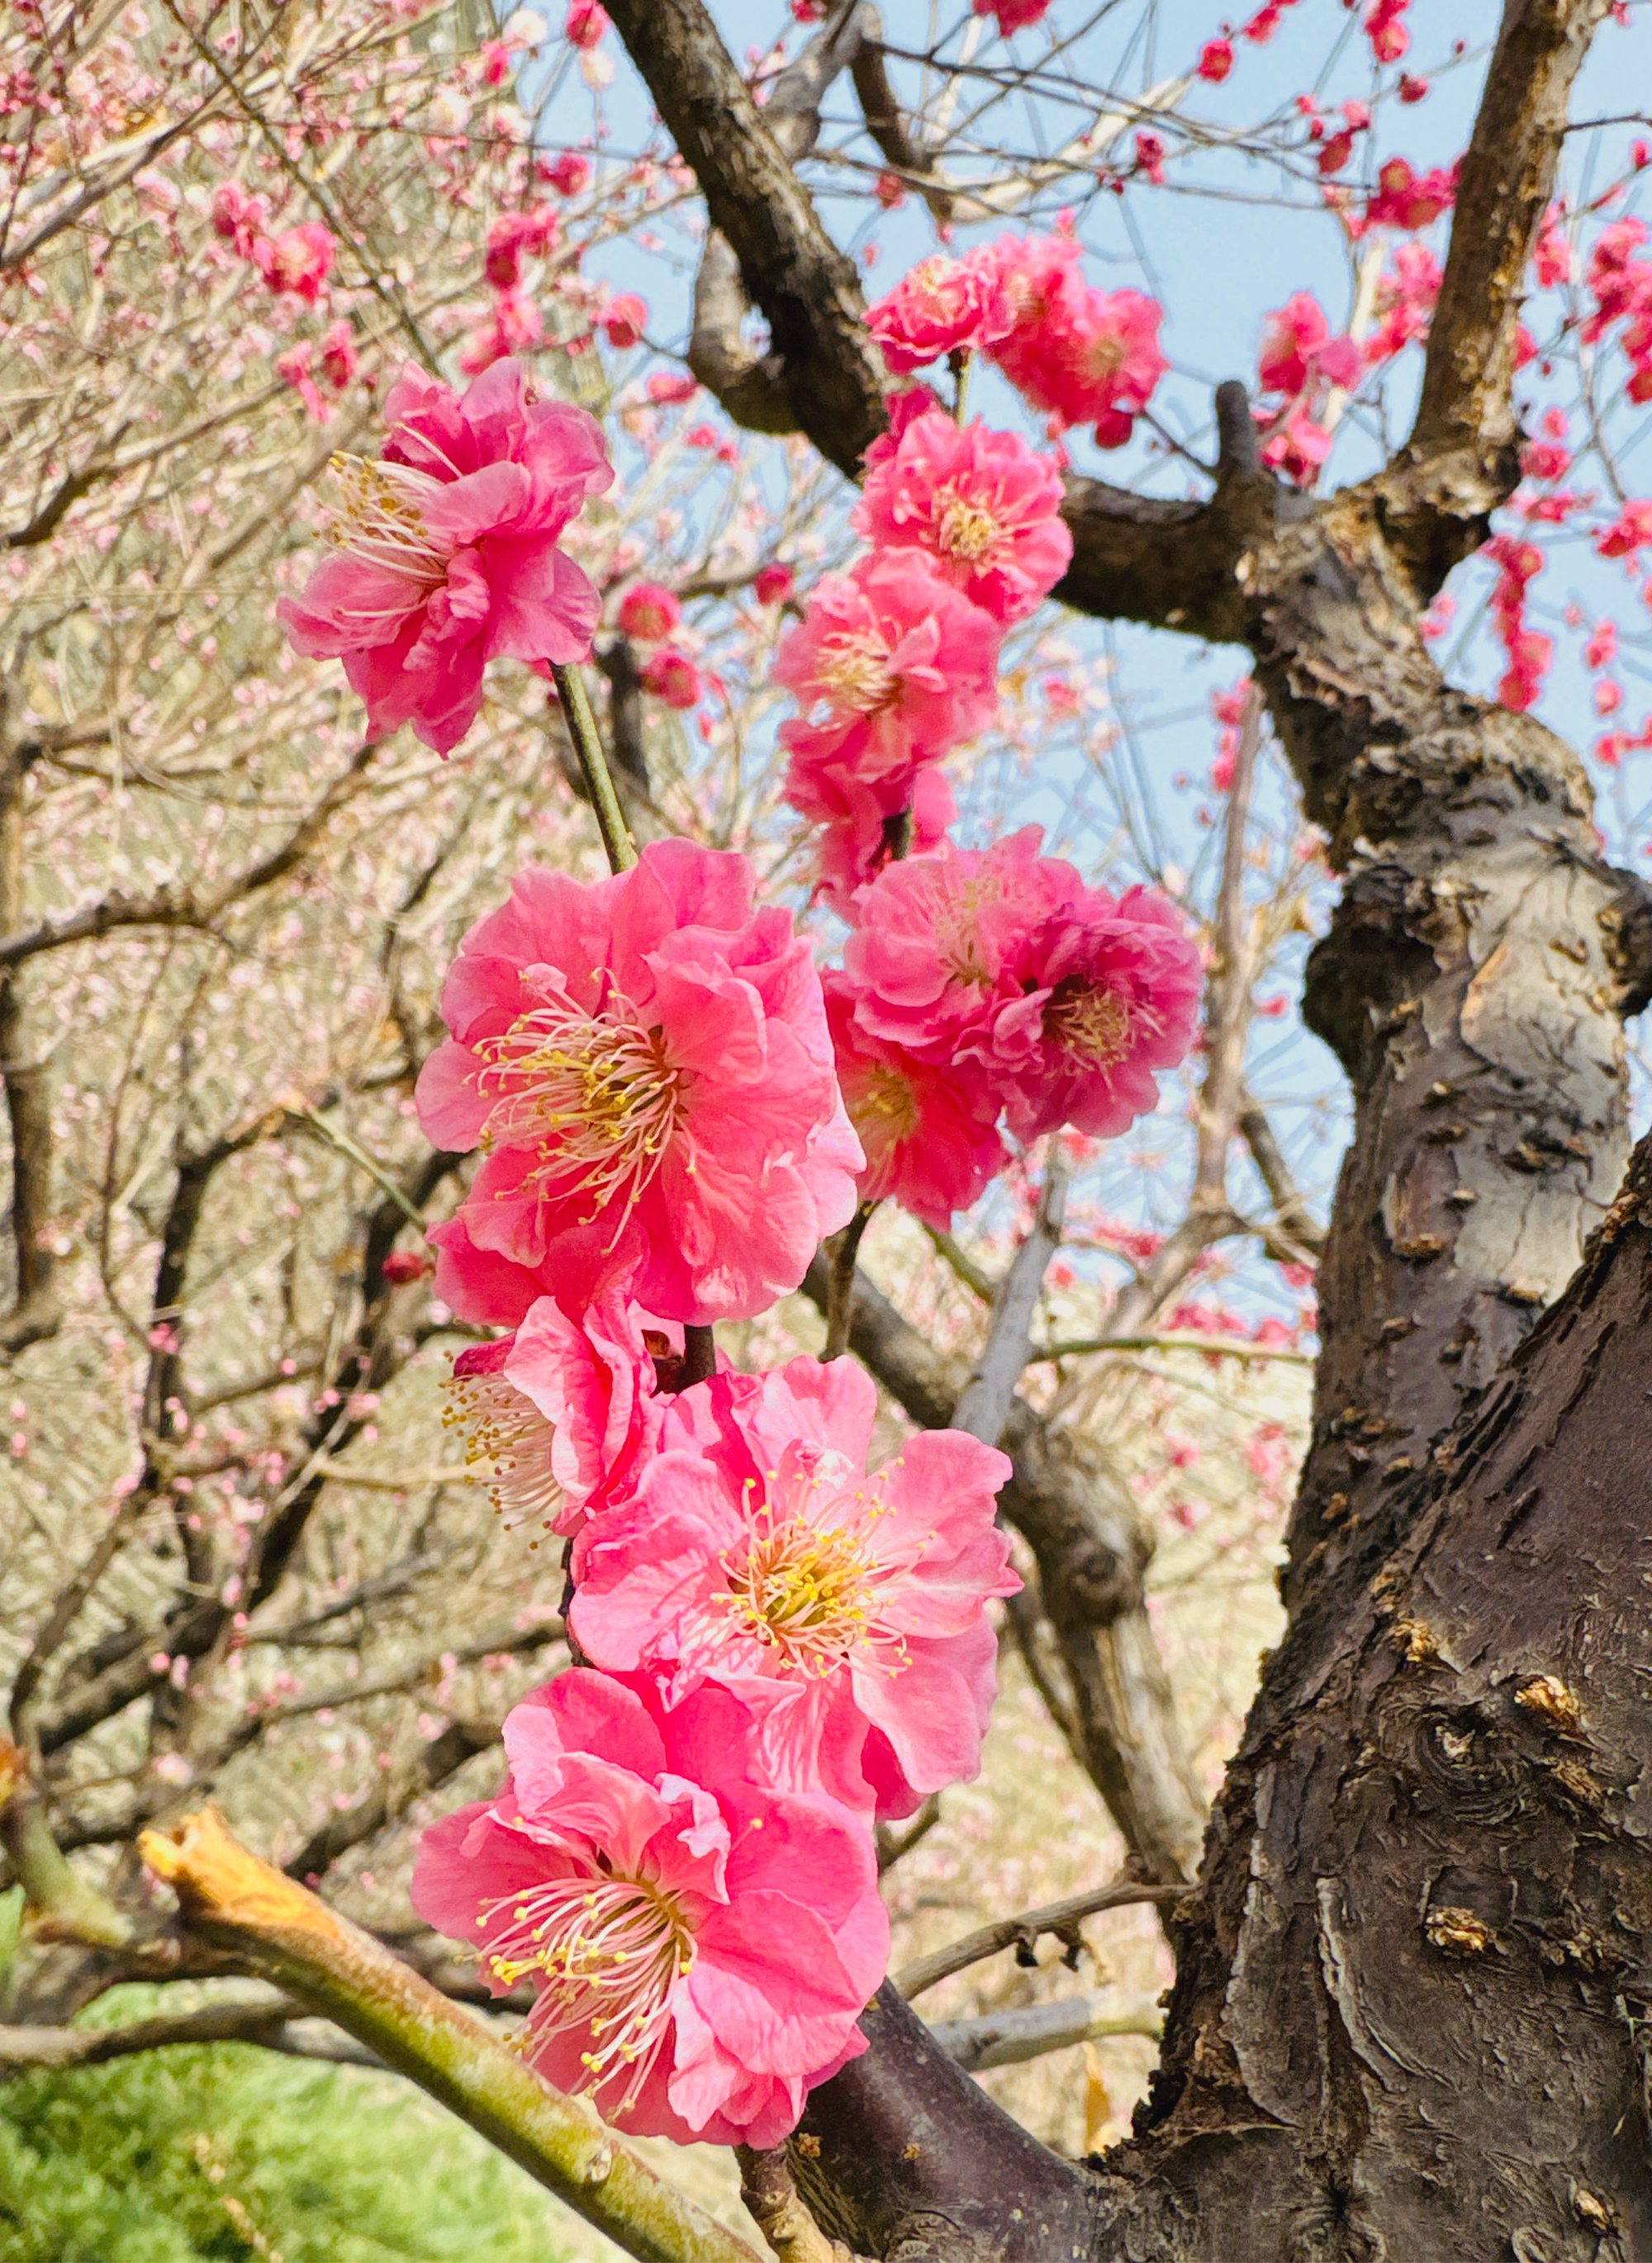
x=699 y=1944
x=856 y=838
x=585 y=23
x=570 y=173
x=894 y=666
x=1297 y=346
x=671 y=676
x=445 y=550
x=1082 y=356
x=514 y=324
x=1112 y=995
x=623 y=318
x=904 y=408
x=299 y=261
x=927 y=1129
x=563 y=1411
x=982 y=505
x=941 y=942
x=772 y=584
x=649 y=612
x=646 y=1063
x=942 y=306
x=1067 y=998
x=1012 y=14
x=757 y=1553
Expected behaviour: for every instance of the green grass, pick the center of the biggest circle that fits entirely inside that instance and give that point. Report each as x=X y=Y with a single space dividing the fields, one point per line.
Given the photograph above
x=225 y=2153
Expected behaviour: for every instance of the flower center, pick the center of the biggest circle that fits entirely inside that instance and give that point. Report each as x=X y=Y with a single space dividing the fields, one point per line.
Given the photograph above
x=608 y=1951
x=1099 y=1025
x=854 y=668
x=957 y=928
x=886 y=1108
x=963 y=528
x=935 y=283
x=1103 y=356
x=595 y=1094
x=509 y=1442
x=379 y=520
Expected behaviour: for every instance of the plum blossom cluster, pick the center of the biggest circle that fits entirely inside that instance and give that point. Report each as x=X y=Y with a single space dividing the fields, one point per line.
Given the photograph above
x=978 y=987
x=1079 y=355
x=982 y=984
x=779 y=1646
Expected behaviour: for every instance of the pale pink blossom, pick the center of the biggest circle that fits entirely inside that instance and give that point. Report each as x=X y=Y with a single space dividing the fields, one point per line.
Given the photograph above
x=893 y=667
x=982 y=505
x=701 y=1944
x=645 y=1062
x=757 y=1553
x=1111 y=995
x=942 y=306
x=445 y=550
x=927 y=1128
x=649 y=612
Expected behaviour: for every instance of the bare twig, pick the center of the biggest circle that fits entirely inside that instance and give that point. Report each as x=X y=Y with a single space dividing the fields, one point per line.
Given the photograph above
x=1031 y=2031
x=1059 y=1918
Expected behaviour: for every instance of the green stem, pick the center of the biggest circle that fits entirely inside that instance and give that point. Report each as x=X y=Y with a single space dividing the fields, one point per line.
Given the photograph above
x=278 y=1931
x=581 y=729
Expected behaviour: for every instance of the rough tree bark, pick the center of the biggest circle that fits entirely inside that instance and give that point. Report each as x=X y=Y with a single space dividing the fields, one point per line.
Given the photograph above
x=1413 y=1977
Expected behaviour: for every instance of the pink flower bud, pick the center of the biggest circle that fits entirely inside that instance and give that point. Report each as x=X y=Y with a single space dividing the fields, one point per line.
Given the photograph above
x=623 y=319
x=773 y=584
x=673 y=677
x=587 y=21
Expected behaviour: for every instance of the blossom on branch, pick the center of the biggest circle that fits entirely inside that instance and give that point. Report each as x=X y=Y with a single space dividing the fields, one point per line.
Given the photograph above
x=757 y=1553
x=445 y=550
x=699 y=1944
x=982 y=505
x=563 y=1411
x=927 y=1128
x=646 y=1065
x=1081 y=356
x=942 y=306
x=1066 y=998
x=893 y=667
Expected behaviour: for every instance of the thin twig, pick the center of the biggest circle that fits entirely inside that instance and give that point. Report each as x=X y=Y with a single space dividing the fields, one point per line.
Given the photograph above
x=1057 y=1917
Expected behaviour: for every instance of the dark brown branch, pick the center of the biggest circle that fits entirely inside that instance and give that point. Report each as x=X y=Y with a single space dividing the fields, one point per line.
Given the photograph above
x=803 y=286
x=1503 y=187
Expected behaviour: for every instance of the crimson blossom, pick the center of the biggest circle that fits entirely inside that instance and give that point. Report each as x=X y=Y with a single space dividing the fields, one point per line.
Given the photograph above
x=646 y=1063
x=446 y=552
x=699 y=1944
x=757 y=1552
x=942 y=306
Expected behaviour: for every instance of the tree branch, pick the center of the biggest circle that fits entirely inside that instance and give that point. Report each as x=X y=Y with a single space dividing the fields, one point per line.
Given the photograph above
x=1031 y=2031
x=806 y=288
x=280 y=1933
x=1503 y=187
